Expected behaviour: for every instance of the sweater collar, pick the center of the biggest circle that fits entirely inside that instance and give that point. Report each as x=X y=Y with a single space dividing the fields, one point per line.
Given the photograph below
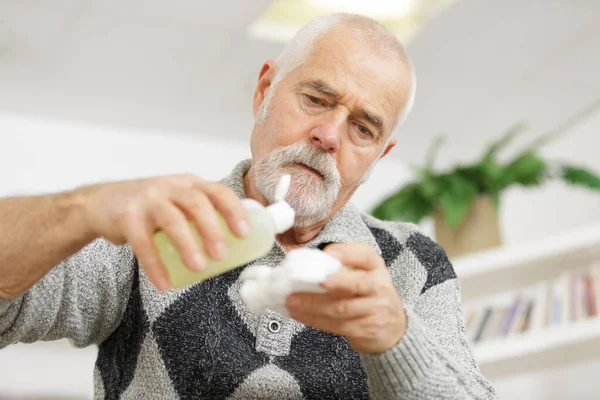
x=345 y=226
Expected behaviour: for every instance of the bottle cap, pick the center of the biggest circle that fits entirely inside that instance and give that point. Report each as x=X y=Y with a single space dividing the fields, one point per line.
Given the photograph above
x=283 y=215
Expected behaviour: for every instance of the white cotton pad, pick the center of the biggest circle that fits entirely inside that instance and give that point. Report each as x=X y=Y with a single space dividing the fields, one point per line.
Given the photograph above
x=303 y=270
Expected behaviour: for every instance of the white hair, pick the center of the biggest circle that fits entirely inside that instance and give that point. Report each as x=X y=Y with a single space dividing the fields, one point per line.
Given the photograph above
x=364 y=29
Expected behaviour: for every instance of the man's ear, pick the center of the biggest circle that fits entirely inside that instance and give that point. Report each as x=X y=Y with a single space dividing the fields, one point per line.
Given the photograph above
x=265 y=78
x=390 y=146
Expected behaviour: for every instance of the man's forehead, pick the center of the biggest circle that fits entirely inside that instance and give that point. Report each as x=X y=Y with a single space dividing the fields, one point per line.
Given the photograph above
x=376 y=87
x=358 y=62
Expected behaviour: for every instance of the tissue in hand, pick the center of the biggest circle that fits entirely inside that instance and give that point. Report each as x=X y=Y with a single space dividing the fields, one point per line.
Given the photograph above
x=303 y=270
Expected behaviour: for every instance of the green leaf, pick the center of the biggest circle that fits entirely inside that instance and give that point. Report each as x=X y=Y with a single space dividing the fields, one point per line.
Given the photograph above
x=581 y=177
x=408 y=204
x=488 y=176
x=457 y=198
x=504 y=140
x=528 y=170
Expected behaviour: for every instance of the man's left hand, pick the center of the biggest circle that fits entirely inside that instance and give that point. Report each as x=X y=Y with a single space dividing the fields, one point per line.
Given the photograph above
x=361 y=301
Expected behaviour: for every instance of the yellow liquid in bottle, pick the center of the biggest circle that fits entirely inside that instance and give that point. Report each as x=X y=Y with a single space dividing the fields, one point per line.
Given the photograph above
x=239 y=250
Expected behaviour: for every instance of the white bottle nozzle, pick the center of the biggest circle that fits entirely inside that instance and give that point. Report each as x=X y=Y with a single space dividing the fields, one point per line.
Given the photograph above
x=282 y=187
x=283 y=215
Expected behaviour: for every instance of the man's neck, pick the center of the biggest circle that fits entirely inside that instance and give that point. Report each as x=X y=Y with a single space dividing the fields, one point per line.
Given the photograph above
x=293 y=238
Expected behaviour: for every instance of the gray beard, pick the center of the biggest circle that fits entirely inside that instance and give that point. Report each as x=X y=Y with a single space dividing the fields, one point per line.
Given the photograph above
x=311 y=197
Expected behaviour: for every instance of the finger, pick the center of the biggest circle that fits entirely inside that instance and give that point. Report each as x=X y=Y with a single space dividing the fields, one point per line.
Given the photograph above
x=138 y=230
x=336 y=326
x=230 y=206
x=332 y=306
x=370 y=334
x=350 y=283
x=174 y=224
x=198 y=207
x=356 y=255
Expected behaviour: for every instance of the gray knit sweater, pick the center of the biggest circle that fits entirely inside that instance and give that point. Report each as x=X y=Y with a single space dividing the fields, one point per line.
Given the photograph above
x=202 y=343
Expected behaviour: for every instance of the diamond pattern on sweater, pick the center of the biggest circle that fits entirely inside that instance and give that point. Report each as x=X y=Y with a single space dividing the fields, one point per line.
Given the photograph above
x=317 y=359
x=118 y=355
x=433 y=258
x=390 y=247
x=207 y=350
x=154 y=300
x=270 y=379
x=151 y=379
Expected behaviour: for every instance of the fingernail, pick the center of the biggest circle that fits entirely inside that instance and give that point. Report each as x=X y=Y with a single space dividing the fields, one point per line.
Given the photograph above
x=198 y=262
x=294 y=301
x=220 y=250
x=335 y=254
x=243 y=227
x=163 y=284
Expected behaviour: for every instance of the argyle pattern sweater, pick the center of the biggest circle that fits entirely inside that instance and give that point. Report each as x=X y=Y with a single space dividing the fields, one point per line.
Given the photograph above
x=202 y=343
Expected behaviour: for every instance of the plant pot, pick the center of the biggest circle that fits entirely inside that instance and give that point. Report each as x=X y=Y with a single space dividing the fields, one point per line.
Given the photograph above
x=479 y=231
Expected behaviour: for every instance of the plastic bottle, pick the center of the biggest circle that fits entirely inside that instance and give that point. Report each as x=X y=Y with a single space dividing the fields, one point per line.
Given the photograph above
x=265 y=223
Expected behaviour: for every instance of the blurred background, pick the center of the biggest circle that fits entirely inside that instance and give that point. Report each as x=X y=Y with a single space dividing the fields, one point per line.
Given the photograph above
x=103 y=90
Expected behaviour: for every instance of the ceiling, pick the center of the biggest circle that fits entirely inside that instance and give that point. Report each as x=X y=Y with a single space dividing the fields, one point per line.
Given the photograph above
x=485 y=65
x=190 y=66
x=404 y=18
x=150 y=64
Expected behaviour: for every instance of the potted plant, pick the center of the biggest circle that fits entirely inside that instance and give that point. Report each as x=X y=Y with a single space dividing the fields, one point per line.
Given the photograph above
x=464 y=200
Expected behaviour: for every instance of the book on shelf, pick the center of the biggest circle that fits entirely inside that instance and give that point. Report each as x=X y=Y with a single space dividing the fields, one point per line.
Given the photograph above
x=571 y=297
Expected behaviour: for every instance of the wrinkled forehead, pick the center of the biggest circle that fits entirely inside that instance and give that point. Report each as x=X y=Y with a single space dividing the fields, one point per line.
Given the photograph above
x=356 y=68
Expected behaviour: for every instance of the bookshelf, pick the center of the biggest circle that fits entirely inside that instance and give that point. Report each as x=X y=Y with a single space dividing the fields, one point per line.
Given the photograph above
x=546 y=348
x=518 y=265
x=570 y=329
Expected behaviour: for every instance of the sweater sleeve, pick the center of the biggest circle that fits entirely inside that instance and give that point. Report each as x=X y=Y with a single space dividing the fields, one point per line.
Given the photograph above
x=81 y=299
x=433 y=360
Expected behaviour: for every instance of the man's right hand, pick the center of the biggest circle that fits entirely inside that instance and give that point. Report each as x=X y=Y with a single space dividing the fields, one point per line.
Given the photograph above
x=132 y=211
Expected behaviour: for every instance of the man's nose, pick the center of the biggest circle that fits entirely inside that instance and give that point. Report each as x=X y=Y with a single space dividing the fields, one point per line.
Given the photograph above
x=328 y=135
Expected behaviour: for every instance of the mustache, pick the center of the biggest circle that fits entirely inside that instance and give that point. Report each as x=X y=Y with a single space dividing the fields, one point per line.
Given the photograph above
x=313 y=198
x=308 y=155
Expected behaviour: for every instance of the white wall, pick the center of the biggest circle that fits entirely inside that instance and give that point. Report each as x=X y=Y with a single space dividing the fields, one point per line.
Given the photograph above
x=49 y=155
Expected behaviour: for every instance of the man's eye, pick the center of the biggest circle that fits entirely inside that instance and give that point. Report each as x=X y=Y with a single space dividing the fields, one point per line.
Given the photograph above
x=315 y=100
x=364 y=130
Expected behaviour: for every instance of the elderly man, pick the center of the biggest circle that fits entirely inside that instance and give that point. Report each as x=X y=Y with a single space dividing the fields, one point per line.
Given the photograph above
x=81 y=265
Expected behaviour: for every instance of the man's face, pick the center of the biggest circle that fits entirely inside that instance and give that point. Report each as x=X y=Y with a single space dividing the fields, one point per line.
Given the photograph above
x=328 y=121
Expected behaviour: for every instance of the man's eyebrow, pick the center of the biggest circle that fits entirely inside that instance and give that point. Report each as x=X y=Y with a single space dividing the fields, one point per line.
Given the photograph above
x=320 y=86
x=374 y=119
